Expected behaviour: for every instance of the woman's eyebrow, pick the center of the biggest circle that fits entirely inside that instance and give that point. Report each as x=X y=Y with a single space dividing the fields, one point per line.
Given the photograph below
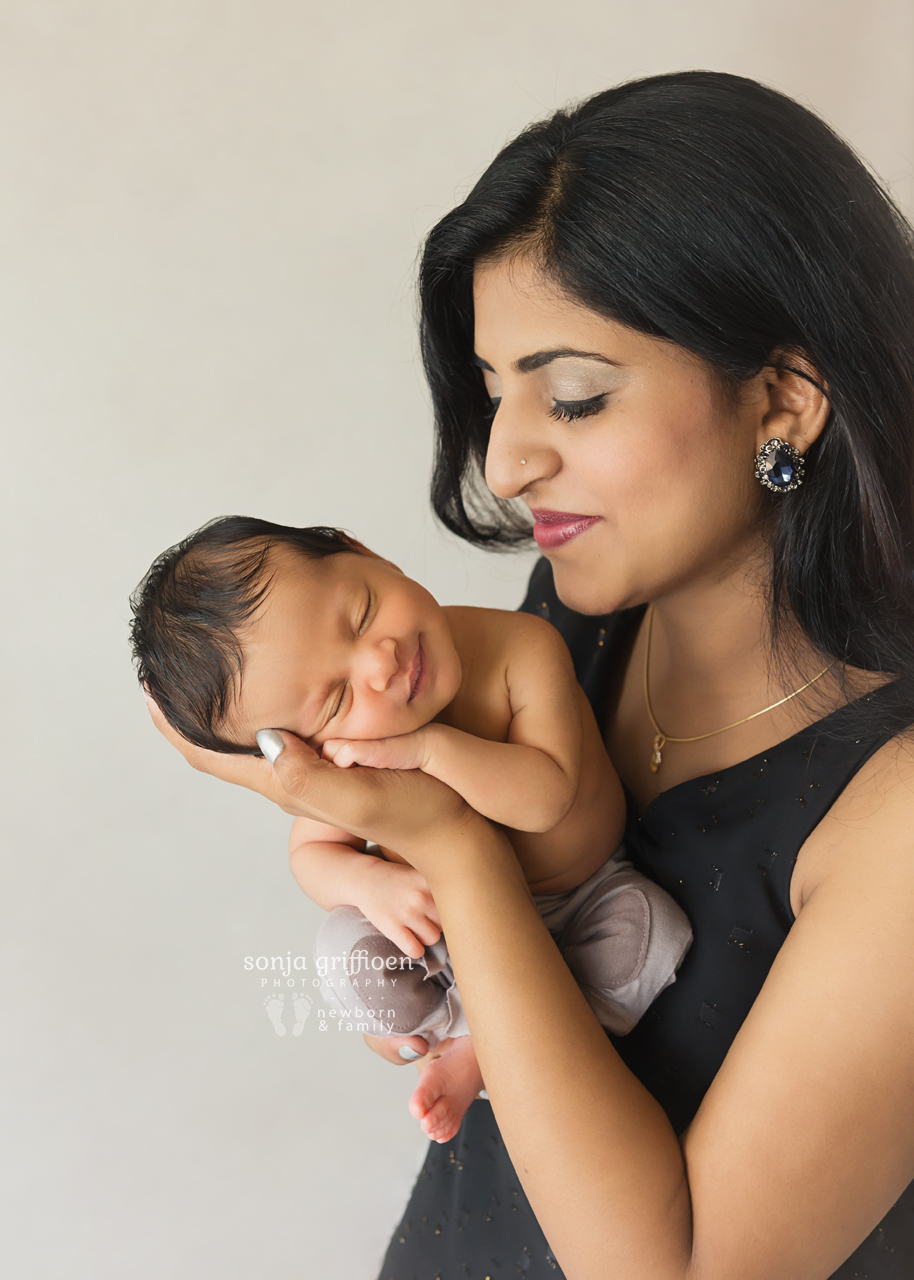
x=527 y=364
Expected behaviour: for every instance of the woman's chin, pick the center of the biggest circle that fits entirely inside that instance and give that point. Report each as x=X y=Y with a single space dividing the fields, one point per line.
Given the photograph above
x=584 y=589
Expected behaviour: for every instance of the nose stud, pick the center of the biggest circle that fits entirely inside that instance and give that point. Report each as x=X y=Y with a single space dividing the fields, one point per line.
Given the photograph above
x=523 y=462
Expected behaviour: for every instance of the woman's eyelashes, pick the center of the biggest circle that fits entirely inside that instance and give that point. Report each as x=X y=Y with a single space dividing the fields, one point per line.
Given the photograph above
x=572 y=410
x=564 y=410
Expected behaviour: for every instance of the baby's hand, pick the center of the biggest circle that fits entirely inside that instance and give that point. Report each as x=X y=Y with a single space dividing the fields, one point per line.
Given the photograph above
x=408 y=751
x=396 y=899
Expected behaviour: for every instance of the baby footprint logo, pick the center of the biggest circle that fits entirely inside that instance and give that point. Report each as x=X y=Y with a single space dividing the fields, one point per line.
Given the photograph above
x=274 y=1006
x=302 y=1006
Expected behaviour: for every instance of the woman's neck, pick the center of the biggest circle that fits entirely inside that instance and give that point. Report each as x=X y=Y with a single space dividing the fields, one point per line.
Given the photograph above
x=711 y=644
x=711 y=665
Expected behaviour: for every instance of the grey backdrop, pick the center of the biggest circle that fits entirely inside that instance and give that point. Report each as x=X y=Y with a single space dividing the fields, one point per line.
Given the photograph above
x=209 y=213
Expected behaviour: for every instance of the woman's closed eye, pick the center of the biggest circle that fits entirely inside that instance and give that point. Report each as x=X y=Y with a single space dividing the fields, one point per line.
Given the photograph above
x=572 y=410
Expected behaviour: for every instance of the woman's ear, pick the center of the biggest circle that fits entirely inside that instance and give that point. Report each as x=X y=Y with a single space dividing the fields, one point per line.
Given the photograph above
x=797 y=401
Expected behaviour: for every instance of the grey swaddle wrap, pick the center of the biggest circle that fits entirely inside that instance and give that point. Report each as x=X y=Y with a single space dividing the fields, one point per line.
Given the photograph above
x=621 y=935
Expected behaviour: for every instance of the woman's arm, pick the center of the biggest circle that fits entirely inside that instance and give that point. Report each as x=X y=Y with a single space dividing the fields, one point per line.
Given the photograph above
x=806 y=1137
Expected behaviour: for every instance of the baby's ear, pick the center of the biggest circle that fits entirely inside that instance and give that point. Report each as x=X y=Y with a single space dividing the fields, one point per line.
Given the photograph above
x=362 y=550
x=357 y=546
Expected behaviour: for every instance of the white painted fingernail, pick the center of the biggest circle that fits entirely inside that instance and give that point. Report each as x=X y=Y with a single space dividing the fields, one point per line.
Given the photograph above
x=270 y=743
x=409 y=1054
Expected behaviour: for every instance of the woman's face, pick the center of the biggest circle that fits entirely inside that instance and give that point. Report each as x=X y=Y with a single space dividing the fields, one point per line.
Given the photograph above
x=637 y=469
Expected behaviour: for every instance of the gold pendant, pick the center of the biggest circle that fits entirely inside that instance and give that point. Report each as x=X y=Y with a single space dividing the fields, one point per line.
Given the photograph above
x=656 y=757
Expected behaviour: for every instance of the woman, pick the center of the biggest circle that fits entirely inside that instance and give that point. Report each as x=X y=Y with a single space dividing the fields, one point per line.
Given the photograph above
x=636 y=299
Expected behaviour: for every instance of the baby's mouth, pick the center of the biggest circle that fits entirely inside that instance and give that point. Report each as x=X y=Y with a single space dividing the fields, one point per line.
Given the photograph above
x=417 y=672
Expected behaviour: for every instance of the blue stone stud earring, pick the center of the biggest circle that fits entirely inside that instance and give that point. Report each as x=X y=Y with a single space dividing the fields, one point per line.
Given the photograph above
x=779 y=466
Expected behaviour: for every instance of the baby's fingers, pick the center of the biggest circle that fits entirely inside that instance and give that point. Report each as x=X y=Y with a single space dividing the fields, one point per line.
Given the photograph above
x=428 y=931
x=339 y=751
x=407 y=942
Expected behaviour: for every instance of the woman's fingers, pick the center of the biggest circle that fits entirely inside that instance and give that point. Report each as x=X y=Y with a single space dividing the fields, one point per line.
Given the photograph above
x=244 y=771
x=272 y=781
x=407 y=810
x=317 y=787
x=390 y=1047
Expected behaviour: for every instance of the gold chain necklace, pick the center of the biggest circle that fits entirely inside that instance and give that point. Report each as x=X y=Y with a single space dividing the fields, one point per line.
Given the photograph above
x=662 y=738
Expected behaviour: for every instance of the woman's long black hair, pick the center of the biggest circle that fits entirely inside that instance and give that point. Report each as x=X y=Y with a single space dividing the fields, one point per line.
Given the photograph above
x=716 y=213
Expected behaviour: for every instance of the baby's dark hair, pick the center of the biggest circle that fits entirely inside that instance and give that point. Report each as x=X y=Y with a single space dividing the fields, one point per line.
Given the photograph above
x=192 y=603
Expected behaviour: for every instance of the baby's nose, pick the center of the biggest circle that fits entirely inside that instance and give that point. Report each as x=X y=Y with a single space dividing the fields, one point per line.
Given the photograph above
x=382 y=664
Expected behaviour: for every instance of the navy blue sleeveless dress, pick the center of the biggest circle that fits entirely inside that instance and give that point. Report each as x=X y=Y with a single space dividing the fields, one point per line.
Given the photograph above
x=724 y=847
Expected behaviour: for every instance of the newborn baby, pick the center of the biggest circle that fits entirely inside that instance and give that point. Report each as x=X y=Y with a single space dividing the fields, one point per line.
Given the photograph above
x=248 y=625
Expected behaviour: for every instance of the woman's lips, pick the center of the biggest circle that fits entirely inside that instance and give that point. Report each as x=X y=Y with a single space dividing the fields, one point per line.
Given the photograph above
x=417 y=673
x=554 y=528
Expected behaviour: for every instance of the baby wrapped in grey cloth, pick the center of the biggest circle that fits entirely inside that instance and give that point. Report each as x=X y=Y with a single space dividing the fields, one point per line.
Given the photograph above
x=248 y=624
x=620 y=934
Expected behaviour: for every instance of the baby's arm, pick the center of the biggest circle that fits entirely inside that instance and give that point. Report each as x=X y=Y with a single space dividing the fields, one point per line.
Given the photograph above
x=529 y=782
x=332 y=868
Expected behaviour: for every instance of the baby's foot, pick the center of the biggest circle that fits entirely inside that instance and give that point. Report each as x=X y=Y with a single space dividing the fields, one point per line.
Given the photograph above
x=273 y=1005
x=449 y=1082
x=302 y=1006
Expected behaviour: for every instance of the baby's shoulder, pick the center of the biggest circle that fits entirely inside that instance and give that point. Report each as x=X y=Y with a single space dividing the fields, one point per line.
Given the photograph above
x=509 y=659
x=506 y=640
x=498 y=626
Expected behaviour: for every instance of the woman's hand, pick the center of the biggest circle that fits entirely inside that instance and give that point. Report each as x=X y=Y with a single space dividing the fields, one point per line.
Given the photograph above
x=244 y=771
x=398 y=1050
x=407 y=811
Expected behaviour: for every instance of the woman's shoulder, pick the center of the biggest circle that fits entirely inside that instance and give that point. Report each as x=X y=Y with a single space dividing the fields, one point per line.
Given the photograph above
x=868 y=833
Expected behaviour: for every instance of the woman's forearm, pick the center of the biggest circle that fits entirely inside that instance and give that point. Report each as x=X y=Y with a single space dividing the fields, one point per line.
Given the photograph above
x=598 y=1158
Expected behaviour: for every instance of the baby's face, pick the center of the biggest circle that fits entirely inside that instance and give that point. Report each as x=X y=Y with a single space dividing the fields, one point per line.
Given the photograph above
x=345 y=647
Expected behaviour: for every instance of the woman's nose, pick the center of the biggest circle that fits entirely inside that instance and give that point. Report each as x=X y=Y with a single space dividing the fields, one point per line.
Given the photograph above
x=515 y=459
x=380 y=663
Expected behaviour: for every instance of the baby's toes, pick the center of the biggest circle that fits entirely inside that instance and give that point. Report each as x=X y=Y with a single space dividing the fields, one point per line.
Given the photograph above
x=421 y=1101
x=437 y=1116
x=441 y=1123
